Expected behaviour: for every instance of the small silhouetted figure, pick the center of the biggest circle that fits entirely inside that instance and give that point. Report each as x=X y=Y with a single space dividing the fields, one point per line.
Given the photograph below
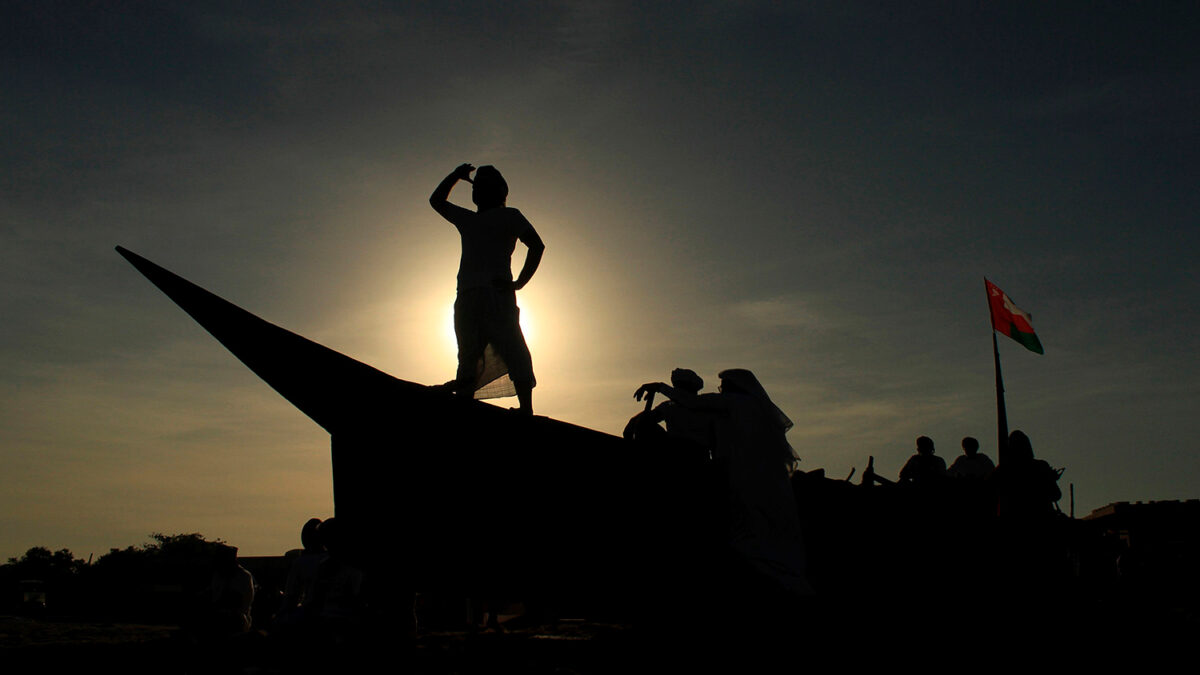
x=972 y=464
x=299 y=592
x=924 y=467
x=1026 y=488
x=687 y=426
x=229 y=596
x=493 y=359
x=337 y=592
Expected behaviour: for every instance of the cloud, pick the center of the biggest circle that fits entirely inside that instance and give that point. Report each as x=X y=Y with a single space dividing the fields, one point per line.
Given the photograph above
x=779 y=312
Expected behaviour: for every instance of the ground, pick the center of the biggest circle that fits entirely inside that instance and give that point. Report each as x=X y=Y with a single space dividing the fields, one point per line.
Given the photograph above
x=59 y=644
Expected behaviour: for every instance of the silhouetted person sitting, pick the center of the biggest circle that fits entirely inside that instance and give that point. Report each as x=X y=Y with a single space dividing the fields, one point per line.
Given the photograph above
x=1026 y=488
x=1032 y=553
x=923 y=468
x=972 y=464
x=493 y=359
x=765 y=526
x=686 y=426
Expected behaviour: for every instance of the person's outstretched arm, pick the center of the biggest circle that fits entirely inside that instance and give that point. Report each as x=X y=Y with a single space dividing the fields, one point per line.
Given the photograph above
x=680 y=396
x=439 y=200
x=533 y=257
x=683 y=397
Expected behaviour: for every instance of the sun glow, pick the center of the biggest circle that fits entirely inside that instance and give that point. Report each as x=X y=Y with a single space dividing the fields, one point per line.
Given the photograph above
x=449 y=340
x=566 y=314
x=529 y=327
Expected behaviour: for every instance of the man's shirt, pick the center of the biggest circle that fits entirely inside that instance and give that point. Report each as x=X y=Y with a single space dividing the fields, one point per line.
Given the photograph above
x=488 y=240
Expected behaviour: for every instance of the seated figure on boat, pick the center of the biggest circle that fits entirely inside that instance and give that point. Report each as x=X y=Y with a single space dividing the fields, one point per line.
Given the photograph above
x=924 y=467
x=687 y=426
x=1026 y=488
x=750 y=434
x=1032 y=555
x=972 y=464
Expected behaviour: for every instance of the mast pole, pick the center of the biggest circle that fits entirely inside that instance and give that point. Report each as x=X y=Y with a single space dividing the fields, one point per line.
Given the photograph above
x=1001 y=413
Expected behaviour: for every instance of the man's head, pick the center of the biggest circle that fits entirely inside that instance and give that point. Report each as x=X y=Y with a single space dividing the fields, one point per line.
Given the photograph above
x=489 y=189
x=687 y=380
x=330 y=534
x=970 y=446
x=308 y=535
x=924 y=445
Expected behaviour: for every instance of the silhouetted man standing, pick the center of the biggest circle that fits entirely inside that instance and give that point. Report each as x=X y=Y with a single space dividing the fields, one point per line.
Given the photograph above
x=493 y=359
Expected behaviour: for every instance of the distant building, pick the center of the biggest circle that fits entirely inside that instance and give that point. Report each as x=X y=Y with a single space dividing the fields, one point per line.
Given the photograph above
x=1159 y=528
x=1160 y=547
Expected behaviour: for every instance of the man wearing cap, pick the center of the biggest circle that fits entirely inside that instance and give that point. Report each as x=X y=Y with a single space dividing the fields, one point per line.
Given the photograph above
x=686 y=426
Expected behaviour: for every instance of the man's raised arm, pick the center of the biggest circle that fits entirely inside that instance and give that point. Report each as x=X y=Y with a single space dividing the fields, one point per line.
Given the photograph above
x=439 y=200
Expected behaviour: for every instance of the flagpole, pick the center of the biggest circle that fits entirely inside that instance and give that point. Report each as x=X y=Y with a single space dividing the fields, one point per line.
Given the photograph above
x=1001 y=413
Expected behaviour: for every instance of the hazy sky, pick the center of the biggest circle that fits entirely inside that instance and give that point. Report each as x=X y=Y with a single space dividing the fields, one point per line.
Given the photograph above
x=811 y=190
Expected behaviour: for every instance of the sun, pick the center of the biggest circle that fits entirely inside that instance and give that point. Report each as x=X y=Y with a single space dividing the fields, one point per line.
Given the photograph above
x=449 y=339
x=529 y=325
x=529 y=328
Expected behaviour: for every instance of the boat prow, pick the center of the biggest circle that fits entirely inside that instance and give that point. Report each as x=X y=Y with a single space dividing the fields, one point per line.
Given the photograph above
x=423 y=476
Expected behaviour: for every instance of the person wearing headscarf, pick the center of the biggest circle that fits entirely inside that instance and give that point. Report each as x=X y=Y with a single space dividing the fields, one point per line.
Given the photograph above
x=765 y=525
x=1026 y=488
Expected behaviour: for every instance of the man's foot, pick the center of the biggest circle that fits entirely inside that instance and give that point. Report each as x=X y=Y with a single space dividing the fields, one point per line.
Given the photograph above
x=525 y=398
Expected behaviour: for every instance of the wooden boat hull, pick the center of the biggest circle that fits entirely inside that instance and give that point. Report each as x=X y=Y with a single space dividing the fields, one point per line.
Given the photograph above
x=462 y=495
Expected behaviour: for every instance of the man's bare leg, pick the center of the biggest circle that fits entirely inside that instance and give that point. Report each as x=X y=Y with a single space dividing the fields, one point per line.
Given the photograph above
x=525 y=398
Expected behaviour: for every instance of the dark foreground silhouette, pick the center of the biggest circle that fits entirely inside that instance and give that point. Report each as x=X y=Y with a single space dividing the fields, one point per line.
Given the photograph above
x=587 y=520
x=637 y=532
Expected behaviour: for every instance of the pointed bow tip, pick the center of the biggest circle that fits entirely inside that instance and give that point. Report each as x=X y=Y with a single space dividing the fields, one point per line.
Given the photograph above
x=142 y=264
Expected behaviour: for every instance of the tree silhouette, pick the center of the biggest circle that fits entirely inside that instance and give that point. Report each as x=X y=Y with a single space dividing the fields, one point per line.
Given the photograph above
x=55 y=573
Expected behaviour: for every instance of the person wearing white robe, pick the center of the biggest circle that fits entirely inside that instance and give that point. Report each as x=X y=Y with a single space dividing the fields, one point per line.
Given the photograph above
x=765 y=524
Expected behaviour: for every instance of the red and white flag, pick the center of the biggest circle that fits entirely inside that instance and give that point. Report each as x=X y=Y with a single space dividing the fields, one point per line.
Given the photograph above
x=1010 y=320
